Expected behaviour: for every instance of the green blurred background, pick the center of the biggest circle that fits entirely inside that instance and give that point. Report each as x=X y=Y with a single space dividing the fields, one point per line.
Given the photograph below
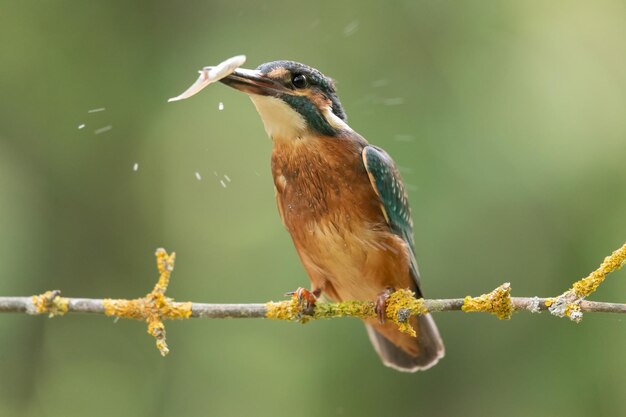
x=506 y=117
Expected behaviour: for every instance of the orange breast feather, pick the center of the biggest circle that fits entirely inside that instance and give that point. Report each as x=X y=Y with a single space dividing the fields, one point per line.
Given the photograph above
x=334 y=217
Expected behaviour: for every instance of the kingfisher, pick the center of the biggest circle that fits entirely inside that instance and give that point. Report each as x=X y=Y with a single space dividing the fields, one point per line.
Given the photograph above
x=343 y=202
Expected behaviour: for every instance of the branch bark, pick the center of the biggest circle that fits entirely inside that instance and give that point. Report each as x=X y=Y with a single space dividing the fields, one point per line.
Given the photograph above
x=401 y=305
x=260 y=310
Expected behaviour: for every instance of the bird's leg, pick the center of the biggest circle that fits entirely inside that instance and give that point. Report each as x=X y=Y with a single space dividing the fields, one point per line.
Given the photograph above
x=380 y=306
x=306 y=299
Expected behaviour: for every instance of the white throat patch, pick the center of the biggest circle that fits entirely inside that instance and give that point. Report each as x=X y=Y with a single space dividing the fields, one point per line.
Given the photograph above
x=279 y=119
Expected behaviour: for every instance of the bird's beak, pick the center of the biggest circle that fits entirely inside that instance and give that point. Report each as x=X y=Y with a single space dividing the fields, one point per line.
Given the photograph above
x=254 y=82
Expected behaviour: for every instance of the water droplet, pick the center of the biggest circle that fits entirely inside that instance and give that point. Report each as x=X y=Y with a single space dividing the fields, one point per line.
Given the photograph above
x=81 y=126
x=227 y=177
x=395 y=101
x=351 y=28
x=136 y=166
x=223 y=183
x=380 y=83
x=220 y=106
x=198 y=176
x=103 y=129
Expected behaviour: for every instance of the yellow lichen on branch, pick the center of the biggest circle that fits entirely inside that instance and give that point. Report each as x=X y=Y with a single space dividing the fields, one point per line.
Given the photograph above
x=155 y=306
x=400 y=306
x=51 y=303
x=589 y=284
x=568 y=303
x=360 y=309
x=165 y=265
x=497 y=302
x=125 y=309
x=294 y=310
x=290 y=310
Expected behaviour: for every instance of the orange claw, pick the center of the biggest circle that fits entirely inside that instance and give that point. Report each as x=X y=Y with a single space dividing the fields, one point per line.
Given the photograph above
x=380 y=305
x=306 y=299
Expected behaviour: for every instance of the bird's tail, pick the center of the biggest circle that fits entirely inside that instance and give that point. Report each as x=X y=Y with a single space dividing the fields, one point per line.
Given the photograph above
x=404 y=352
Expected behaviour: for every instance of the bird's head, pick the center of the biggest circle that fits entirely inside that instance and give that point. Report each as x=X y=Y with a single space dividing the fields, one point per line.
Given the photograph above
x=293 y=99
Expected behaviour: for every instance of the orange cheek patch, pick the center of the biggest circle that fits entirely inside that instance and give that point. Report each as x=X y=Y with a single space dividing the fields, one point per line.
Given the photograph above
x=278 y=74
x=319 y=100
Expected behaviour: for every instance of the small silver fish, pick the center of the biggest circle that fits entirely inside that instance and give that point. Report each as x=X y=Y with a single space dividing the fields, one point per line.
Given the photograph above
x=209 y=75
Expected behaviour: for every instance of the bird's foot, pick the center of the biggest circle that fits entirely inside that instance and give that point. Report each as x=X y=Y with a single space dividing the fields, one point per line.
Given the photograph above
x=306 y=299
x=380 y=306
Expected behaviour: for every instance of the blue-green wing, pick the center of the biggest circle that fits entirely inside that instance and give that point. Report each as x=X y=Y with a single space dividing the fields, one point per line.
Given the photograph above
x=387 y=183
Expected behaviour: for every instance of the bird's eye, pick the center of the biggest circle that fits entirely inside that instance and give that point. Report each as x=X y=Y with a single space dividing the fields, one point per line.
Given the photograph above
x=299 y=81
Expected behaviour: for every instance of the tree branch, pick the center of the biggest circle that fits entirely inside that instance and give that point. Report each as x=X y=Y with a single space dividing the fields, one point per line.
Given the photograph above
x=258 y=310
x=401 y=305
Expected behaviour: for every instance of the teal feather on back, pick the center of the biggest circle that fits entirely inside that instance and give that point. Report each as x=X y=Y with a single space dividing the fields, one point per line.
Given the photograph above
x=387 y=183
